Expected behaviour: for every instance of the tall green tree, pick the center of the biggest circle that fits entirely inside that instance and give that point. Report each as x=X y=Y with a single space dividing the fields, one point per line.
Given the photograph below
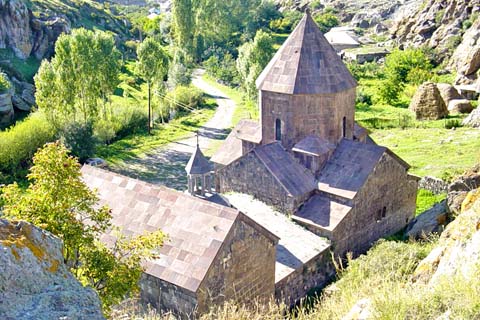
x=83 y=72
x=58 y=200
x=152 y=66
x=252 y=58
x=184 y=27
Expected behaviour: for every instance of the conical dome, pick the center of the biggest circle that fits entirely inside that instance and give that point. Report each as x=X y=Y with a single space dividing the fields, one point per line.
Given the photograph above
x=306 y=64
x=198 y=164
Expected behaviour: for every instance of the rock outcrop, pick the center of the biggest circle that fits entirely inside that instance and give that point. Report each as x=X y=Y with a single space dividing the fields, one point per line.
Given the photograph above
x=448 y=27
x=473 y=119
x=6 y=108
x=459 y=106
x=458 y=189
x=459 y=246
x=448 y=92
x=34 y=282
x=430 y=221
x=25 y=34
x=427 y=103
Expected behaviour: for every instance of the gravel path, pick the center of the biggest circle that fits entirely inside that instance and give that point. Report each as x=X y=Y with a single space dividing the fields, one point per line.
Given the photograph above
x=166 y=165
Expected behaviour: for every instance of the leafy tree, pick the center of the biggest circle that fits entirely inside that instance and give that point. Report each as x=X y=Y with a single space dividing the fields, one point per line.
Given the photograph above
x=184 y=26
x=326 y=21
x=402 y=67
x=253 y=56
x=78 y=138
x=152 y=65
x=59 y=201
x=4 y=83
x=83 y=72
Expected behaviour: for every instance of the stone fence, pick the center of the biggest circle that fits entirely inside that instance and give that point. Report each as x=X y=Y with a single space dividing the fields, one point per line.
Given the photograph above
x=433 y=184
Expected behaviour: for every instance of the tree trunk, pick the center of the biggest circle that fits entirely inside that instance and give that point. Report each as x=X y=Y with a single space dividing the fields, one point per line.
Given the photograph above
x=149 y=109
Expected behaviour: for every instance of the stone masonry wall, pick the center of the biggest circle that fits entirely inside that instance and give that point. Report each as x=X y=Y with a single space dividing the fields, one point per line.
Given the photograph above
x=167 y=297
x=302 y=115
x=314 y=274
x=248 y=175
x=384 y=205
x=243 y=271
x=433 y=184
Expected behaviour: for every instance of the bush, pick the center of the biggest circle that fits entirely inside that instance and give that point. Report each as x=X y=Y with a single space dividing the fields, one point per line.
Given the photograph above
x=78 y=138
x=19 y=143
x=130 y=120
x=5 y=85
x=326 y=21
x=184 y=99
x=452 y=123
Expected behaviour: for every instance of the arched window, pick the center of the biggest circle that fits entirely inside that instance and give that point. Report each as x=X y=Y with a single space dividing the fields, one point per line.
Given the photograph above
x=278 y=130
x=344 y=126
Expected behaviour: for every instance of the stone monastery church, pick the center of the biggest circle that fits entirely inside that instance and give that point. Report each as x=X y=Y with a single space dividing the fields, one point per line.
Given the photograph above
x=263 y=218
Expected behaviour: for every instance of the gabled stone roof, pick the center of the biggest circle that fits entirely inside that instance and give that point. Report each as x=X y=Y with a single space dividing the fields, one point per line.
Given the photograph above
x=322 y=212
x=229 y=151
x=196 y=228
x=249 y=130
x=349 y=167
x=313 y=145
x=306 y=64
x=294 y=178
x=198 y=164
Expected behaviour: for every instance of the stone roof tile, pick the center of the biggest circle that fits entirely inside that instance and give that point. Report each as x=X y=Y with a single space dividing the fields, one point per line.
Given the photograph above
x=198 y=164
x=249 y=130
x=229 y=151
x=306 y=64
x=294 y=178
x=195 y=228
x=314 y=145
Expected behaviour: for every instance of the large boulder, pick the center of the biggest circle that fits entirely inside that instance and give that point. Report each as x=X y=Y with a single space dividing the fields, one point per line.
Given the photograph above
x=473 y=119
x=430 y=221
x=459 y=188
x=466 y=57
x=6 y=109
x=427 y=103
x=34 y=281
x=448 y=92
x=460 y=106
x=24 y=99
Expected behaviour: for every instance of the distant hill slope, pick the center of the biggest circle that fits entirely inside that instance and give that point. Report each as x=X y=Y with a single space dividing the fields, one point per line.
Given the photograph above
x=451 y=27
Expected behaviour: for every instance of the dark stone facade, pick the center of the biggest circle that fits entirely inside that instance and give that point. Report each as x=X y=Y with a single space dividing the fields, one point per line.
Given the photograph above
x=243 y=271
x=312 y=275
x=303 y=115
x=167 y=297
x=248 y=175
x=383 y=206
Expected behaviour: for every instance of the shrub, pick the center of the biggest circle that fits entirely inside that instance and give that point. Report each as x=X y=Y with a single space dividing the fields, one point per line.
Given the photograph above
x=129 y=120
x=5 y=85
x=78 y=138
x=184 y=98
x=326 y=21
x=452 y=123
x=19 y=143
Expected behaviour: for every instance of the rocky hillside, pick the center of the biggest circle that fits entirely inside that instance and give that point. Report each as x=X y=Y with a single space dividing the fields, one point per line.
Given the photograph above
x=34 y=282
x=451 y=27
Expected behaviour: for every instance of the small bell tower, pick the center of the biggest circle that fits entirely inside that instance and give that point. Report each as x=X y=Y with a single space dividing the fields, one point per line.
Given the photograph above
x=200 y=173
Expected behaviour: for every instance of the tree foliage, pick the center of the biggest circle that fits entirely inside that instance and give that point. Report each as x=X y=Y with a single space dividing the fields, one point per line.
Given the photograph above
x=402 y=67
x=83 y=72
x=152 y=65
x=326 y=20
x=184 y=26
x=5 y=84
x=58 y=200
x=253 y=56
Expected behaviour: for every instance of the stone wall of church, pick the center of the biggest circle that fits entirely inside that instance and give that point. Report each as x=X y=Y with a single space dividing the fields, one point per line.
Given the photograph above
x=248 y=175
x=167 y=297
x=243 y=271
x=302 y=115
x=313 y=275
x=384 y=205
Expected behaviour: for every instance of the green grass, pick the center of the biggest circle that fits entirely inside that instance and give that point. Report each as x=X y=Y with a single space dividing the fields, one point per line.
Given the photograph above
x=433 y=151
x=245 y=109
x=135 y=146
x=426 y=199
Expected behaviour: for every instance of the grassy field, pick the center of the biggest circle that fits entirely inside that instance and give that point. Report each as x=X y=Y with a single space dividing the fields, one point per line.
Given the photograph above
x=137 y=145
